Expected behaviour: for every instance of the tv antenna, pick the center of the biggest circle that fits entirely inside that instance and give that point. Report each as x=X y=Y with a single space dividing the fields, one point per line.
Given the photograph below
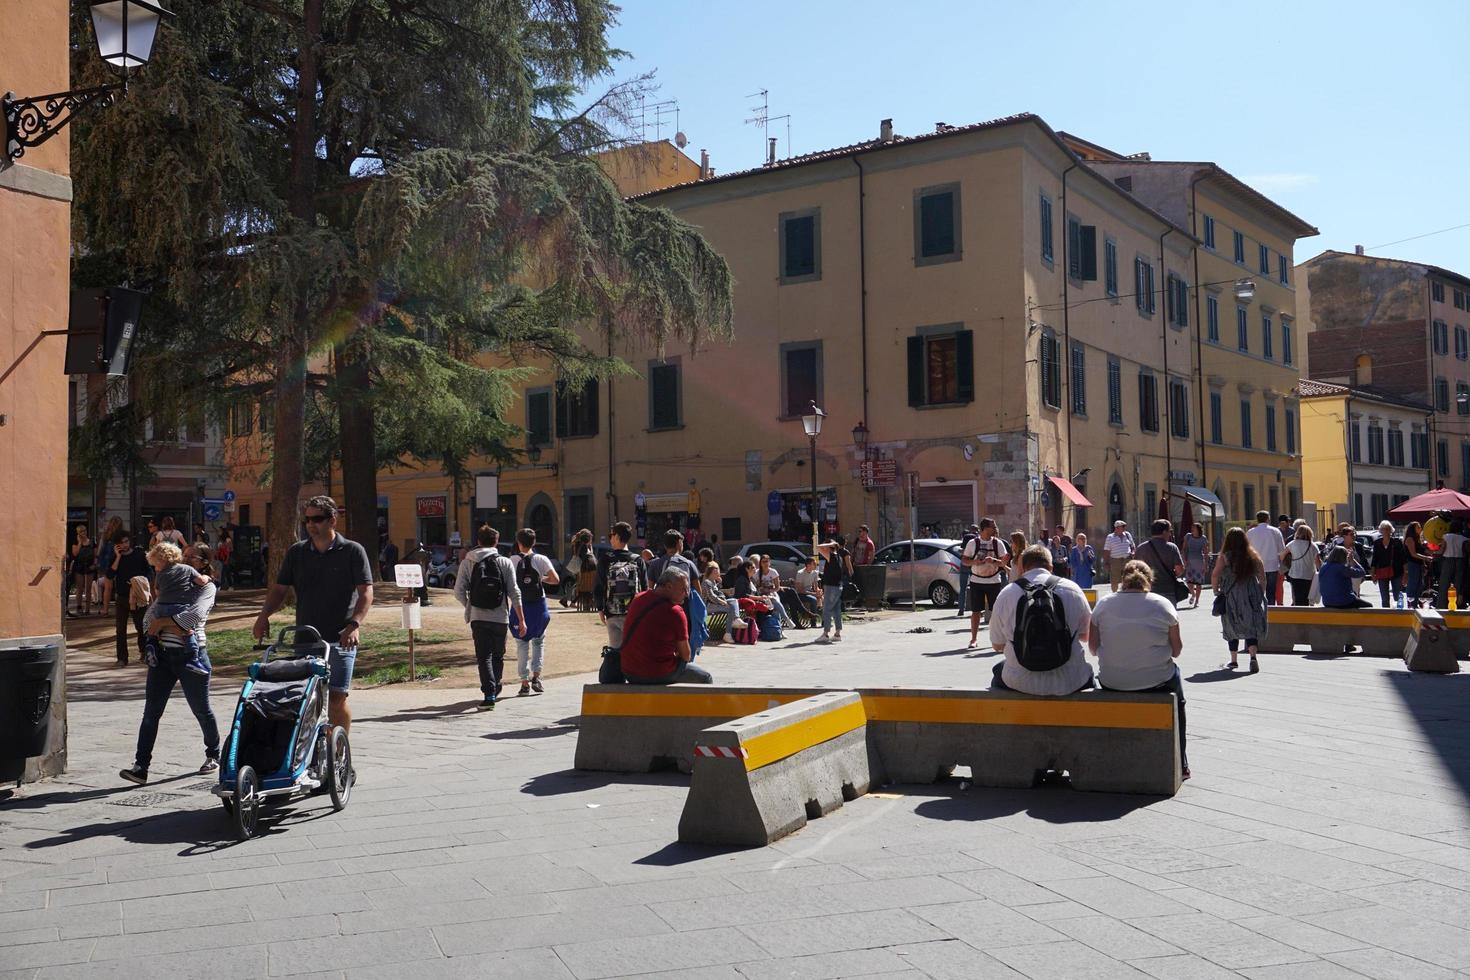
x=763 y=119
x=655 y=115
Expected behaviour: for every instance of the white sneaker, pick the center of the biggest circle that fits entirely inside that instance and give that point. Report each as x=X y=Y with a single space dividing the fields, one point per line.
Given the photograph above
x=738 y=624
x=824 y=638
x=210 y=764
x=837 y=638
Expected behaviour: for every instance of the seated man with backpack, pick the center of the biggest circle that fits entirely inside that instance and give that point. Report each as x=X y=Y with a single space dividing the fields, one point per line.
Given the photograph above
x=1040 y=622
x=655 y=641
x=486 y=587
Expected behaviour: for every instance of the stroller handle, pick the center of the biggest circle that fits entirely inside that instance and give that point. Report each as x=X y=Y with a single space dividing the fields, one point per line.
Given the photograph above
x=309 y=634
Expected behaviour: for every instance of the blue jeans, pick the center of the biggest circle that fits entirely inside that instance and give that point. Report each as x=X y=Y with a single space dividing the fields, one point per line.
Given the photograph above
x=832 y=608
x=340 y=663
x=530 y=652
x=1271 y=579
x=172 y=669
x=685 y=673
x=1416 y=581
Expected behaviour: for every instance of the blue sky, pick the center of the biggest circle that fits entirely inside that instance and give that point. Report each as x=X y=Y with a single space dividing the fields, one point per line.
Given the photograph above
x=1348 y=113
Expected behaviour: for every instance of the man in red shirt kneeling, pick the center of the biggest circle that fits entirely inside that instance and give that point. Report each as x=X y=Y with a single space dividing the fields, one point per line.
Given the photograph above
x=655 y=646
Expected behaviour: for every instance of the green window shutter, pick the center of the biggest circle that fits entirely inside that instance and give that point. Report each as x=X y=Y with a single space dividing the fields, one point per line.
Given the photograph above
x=916 y=370
x=1088 y=252
x=965 y=364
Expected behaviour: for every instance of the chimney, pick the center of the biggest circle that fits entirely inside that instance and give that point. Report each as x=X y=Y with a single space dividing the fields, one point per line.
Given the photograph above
x=704 y=171
x=771 y=151
x=1357 y=250
x=885 y=131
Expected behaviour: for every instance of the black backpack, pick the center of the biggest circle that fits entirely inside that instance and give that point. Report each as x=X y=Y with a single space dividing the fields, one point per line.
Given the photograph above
x=1042 y=640
x=487 y=588
x=529 y=580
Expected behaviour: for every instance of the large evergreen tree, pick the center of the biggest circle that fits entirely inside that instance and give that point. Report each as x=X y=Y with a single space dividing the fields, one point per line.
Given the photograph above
x=338 y=204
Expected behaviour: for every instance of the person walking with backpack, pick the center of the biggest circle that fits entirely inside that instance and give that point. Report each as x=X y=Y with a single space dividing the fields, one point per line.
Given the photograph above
x=534 y=575
x=1040 y=622
x=486 y=587
x=621 y=575
x=987 y=559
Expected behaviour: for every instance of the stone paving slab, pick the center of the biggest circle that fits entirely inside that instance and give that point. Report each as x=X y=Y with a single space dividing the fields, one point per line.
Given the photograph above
x=1325 y=834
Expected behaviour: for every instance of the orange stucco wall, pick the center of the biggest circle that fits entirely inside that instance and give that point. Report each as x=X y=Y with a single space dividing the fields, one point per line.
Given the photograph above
x=34 y=276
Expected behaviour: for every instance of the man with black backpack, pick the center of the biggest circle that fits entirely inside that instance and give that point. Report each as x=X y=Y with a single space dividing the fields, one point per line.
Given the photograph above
x=534 y=575
x=621 y=575
x=486 y=587
x=1040 y=622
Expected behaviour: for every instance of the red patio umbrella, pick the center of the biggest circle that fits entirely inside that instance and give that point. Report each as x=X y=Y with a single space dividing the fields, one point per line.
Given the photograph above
x=1420 y=507
x=1186 y=517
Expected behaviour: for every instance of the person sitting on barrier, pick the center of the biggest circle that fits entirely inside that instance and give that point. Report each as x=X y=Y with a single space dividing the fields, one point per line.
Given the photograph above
x=1039 y=622
x=1239 y=584
x=655 y=646
x=1338 y=581
x=1452 y=565
x=1135 y=638
x=1301 y=561
x=715 y=597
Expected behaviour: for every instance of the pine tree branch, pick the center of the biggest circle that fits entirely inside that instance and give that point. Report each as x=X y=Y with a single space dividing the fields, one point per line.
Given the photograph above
x=277 y=11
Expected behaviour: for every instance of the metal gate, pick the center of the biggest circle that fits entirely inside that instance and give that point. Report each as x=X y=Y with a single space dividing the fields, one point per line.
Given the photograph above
x=946 y=509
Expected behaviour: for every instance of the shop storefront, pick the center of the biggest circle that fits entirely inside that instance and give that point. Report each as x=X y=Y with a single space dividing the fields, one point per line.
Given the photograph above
x=789 y=514
x=432 y=513
x=656 y=513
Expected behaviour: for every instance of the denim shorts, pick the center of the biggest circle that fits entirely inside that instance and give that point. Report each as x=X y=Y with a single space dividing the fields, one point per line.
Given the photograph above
x=340 y=663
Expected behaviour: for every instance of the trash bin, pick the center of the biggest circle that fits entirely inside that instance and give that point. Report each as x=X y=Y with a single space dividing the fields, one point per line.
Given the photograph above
x=871 y=581
x=27 y=678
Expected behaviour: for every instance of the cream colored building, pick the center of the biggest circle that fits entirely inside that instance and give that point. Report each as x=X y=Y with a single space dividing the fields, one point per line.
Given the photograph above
x=1365 y=451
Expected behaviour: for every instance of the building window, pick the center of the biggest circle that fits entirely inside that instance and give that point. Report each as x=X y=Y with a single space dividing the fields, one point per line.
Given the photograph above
x=1440 y=337
x=1047 y=252
x=1441 y=394
x=1395 y=446
x=1282 y=272
x=1355 y=441
x=1290 y=418
x=1462 y=398
x=730 y=529
x=1110 y=267
x=1265 y=256
x=937 y=224
x=1245 y=424
x=1287 y=356
x=1436 y=291
x=1078 y=379
x=576 y=410
x=242 y=418
x=1271 y=429
x=664 y=396
x=1464 y=464
x=801 y=377
x=1242 y=329
x=1273 y=498
x=1143 y=286
x=1178 y=298
x=538 y=416
x=1212 y=319
x=1250 y=498
x=1442 y=457
x=1209 y=232
x=1178 y=409
x=1266 y=335
x=1115 y=391
x=1148 y=402
x=1051 y=371
x=941 y=367
x=801 y=246
x=1217 y=421
x=1419 y=449
x=1239 y=247
x=1375 y=444
x=266 y=411
x=1460 y=299
x=1462 y=343
x=1358 y=510
x=1081 y=250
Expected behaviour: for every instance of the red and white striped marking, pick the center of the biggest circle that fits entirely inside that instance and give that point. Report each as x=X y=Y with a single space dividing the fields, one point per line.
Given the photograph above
x=720 y=752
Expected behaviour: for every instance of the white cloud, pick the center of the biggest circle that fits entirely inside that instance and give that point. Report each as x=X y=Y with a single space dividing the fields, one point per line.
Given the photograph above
x=1280 y=183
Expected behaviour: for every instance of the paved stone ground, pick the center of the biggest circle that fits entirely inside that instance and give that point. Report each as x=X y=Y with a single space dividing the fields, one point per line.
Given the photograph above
x=1325 y=834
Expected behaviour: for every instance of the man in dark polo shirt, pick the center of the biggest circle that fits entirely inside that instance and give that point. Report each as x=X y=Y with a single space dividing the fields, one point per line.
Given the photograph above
x=334 y=591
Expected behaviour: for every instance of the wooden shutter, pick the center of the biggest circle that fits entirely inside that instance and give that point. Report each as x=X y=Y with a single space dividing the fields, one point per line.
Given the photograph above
x=562 y=409
x=589 y=409
x=916 y=370
x=1074 y=248
x=964 y=356
x=1088 y=252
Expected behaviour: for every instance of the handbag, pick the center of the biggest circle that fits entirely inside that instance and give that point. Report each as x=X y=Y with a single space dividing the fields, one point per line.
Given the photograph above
x=1180 y=588
x=611 y=670
x=1381 y=574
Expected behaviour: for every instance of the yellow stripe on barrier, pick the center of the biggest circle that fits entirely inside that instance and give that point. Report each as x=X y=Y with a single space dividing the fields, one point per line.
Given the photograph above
x=1084 y=713
x=1456 y=620
x=1331 y=617
x=762 y=750
x=677 y=704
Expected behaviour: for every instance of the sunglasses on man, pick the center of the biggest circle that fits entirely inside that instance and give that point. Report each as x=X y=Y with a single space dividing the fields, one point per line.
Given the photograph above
x=316 y=518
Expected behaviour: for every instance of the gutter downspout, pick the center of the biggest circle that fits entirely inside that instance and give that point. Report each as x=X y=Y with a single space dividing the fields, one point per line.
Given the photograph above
x=1347 y=439
x=863 y=277
x=612 y=415
x=1168 y=395
x=1199 y=357
x=1067 y=324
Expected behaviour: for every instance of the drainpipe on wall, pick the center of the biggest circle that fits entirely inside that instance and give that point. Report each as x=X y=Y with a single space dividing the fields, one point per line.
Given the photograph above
x=612 y=414
x=1168 y=394
x=863 y=313
x=1347 y=452
x=1199 y=356
x=1066 y=329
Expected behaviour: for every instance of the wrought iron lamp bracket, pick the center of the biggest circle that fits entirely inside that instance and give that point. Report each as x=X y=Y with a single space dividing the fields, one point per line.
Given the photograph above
x=31 y=122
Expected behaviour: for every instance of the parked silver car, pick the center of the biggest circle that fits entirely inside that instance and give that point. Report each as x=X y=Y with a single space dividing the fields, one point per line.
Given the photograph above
x=787 y=557
x=935 y=563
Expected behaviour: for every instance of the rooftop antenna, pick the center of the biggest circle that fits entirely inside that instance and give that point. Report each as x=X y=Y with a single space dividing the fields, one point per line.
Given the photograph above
x=786 y=117
x=763 y=119
x=653 y=114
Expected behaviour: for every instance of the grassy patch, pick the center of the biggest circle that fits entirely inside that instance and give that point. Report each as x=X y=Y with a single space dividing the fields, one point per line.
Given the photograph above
x=380 y=646
x=396 y=674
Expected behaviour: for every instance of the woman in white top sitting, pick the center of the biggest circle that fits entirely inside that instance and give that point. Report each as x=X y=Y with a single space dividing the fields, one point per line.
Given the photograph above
x=1301 y=561
x=1135 y=638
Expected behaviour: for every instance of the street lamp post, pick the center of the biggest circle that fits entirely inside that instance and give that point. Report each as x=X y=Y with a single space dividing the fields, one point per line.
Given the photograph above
x=812 y=423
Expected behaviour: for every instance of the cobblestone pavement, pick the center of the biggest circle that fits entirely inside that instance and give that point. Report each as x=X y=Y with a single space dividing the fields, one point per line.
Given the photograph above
x=1324 y=835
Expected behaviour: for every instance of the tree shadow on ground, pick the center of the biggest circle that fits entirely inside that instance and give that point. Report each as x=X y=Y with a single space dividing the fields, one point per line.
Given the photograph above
x=1052 y=803
x=582 y=781
x=1440 y=705
x=39 y=801
x=429 y=712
